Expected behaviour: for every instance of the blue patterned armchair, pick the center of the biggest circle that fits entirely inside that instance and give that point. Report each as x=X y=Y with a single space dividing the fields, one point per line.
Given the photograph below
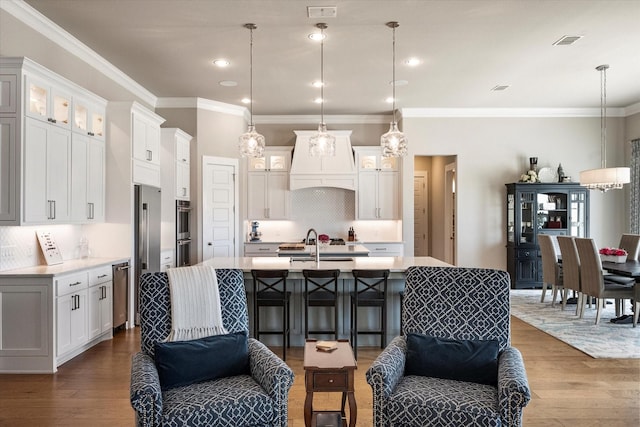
x=457 y=304
x=259 y=399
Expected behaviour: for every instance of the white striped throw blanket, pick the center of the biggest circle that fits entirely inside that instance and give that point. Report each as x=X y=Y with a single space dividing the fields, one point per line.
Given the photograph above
x=195 y=303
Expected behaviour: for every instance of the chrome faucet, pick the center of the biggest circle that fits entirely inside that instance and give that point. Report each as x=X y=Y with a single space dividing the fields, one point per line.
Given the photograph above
x=317 y=246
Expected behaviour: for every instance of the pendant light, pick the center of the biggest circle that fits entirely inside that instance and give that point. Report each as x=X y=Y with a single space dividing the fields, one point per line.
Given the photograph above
x=394 y=143
x=322 y=143
x=251 y=143
x=605 y=178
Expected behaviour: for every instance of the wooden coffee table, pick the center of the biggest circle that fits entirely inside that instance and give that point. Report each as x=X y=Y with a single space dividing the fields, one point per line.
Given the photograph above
x=329 y=372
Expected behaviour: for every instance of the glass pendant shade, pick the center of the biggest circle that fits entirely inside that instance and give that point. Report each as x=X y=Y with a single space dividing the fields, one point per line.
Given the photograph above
x=251 y=143
x=605 y=178
x=393 y=143
x=322 y=143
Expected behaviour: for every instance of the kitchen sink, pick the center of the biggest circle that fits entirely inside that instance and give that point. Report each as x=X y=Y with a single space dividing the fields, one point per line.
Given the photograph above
x=330 y=259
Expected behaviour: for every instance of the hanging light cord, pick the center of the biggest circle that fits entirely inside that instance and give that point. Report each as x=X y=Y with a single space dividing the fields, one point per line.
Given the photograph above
x=393 y=74
x=322 y=27
x=251 y=74
x=603 y=114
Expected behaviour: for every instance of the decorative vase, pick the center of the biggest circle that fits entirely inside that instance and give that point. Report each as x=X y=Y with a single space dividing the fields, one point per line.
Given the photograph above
x=619 y=259
x=533 y=164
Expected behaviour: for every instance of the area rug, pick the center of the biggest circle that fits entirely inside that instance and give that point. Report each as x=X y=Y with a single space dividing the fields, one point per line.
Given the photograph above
x=605 y=340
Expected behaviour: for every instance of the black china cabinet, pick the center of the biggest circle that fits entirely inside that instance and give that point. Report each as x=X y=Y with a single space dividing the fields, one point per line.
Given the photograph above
x=561 y=209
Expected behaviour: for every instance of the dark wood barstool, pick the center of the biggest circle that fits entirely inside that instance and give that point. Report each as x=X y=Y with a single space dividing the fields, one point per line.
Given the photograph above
x=369 y=290
x=270 y=290
x=321 y=290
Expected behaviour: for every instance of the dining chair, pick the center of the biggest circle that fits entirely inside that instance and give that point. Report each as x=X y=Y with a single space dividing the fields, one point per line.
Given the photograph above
x=593 y=279
x=551 y=269
x=570 y=270
x=631 y=244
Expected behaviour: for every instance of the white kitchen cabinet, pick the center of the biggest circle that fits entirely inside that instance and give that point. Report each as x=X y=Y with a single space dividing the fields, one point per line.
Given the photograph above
x=268 y=184
x=88 y=118
x=87 y=179
x=37 y=143
x=378 y=185
x=8 y=170
x=261 y=249
x=166 y=260
x=47 y=173
x=379 y=249
x=145 y=134
x=71 y=312
x=47 y=101
x=100 y=301
x=176 y=169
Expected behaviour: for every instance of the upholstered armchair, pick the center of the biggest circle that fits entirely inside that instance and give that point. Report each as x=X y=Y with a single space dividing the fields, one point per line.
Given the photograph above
x=454 y=305
x=259 y=398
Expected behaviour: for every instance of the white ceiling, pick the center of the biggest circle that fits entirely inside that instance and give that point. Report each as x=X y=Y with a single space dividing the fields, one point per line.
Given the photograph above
x=467 y=47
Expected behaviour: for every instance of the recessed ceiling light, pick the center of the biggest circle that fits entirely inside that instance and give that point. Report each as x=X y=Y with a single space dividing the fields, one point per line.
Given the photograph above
x=499 y=88
x=317 y=83
x=221 y=62
x=566 y=40
x=228 y=83
x=399 y=82
x=246 y=100
x=317 y=36
x=412 y=62
x=318 y=100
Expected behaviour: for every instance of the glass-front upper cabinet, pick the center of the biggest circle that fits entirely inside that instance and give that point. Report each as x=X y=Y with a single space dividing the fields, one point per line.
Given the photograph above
x=372 y=161
x=552 y=213
x=275 y=159
x=526 y=208
x=47 y=103
x=511 y=212
x=88 y=119
x=578 y=213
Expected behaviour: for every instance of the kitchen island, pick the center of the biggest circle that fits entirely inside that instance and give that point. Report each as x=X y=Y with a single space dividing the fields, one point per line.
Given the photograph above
x=325 y=251
x=271 y=318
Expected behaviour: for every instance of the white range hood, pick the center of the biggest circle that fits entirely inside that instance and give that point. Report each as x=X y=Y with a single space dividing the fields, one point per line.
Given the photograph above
x=337 y=171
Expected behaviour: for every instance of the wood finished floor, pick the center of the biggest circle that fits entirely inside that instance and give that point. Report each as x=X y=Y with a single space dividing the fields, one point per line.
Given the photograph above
x=569 y=388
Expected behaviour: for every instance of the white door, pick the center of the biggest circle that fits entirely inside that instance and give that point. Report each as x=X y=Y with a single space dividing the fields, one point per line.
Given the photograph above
x=420 y=214
x=450 y=213
x=219 y=212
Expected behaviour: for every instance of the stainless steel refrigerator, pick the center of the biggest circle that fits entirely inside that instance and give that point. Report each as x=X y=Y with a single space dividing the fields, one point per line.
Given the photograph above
x=147 y=234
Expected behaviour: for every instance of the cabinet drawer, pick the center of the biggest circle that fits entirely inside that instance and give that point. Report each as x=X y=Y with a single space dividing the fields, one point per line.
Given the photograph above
x=71 y=283
x=100 y=275
x=327 y=381
x=527 y=253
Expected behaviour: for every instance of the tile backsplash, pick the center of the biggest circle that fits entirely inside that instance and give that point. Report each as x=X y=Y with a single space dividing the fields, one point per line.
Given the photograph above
x=19 y=245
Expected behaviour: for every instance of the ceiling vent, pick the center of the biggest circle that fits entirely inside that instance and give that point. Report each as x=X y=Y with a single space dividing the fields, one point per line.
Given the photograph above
x=566 y=40
x=322 y=11
x=500 y=87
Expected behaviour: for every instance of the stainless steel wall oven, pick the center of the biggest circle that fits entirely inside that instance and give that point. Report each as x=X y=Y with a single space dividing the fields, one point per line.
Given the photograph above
x=183 y=233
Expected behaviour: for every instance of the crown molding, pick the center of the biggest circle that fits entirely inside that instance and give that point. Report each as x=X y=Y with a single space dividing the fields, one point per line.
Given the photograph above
x=40 y=23
x=632 y=109
x=511 y=112
x=202 y=104
x=329 y=119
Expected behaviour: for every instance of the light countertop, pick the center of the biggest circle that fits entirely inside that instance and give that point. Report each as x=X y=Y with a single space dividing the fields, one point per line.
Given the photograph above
x=394 y=264
x=68 y=266
x=330 y=250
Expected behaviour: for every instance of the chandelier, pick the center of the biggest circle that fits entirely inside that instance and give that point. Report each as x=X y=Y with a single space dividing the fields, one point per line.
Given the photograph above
x=322 y=143
x=605 y=178
x=251 y=143
x=393 y=143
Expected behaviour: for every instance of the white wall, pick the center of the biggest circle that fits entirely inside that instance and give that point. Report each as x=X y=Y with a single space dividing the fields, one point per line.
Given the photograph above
x=495 y=151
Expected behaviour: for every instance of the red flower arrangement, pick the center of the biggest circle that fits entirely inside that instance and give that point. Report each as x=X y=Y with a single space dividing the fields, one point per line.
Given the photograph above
x=613 y=251
x=324 y=238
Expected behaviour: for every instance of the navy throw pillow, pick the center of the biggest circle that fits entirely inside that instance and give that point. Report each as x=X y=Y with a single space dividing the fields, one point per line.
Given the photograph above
x=181 y=363
x=463 y=360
